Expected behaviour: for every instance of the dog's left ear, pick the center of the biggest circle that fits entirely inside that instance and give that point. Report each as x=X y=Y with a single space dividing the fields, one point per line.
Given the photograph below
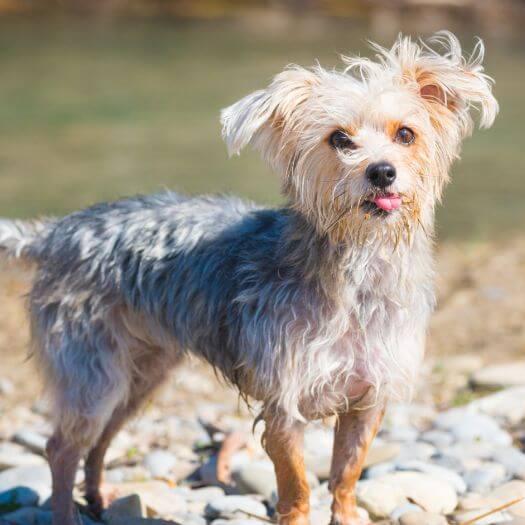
x=450 y=83
x=269 y=115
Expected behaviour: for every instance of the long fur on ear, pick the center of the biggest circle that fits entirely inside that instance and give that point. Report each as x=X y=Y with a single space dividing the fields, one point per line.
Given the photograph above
x=288 y=90
x=445 y=80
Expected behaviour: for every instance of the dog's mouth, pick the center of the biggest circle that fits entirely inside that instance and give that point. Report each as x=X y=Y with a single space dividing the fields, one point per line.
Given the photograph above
x=382 y=203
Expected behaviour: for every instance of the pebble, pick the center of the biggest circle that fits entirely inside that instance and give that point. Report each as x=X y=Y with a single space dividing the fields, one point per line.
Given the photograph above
x=37 y=478
x=234 y=507
x=379 y=498
x=512 y=459
x=485 y=477
x=33 y=441
x=407 y=508
x=13 y=455
x=422 y=518
x=159 y=463
x=129 y=506
x=435 y=471
x=258 y=477
x=506 y=405
x=433 y=495
x=500 y=376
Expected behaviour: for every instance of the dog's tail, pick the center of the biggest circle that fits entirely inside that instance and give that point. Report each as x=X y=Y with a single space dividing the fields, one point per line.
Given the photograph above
x=19 y=239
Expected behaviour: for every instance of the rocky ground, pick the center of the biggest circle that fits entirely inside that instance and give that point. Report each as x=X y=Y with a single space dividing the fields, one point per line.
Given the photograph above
x=453 y=456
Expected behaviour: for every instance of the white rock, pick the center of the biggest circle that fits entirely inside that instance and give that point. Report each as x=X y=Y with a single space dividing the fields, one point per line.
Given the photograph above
x=500 y=376
x=507 y=405
x=33 y=441
x=159 y=463
x=438 y=472
x=485 y=477
x=512 y=459
x=438 y=438
x=403 y=509
x=234 y=507
x=422 y=518
x=433 y=495
x=379 y=498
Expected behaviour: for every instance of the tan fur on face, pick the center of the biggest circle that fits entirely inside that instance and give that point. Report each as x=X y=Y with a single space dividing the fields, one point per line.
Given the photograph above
x=411 y=84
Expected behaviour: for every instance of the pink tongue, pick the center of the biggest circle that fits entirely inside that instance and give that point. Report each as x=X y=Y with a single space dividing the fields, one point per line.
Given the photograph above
x=388 y=202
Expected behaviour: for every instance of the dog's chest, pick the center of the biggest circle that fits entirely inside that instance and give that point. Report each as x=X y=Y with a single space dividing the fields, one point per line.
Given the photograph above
x=368 y=348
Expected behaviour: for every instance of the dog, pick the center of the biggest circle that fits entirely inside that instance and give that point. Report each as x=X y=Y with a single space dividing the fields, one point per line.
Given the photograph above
x=317 y=308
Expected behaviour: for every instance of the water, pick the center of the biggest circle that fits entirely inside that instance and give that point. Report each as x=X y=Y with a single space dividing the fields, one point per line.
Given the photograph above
x=92 y=111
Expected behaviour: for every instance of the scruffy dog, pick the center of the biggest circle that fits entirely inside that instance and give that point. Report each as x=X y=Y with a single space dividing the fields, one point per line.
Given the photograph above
x=316 y=308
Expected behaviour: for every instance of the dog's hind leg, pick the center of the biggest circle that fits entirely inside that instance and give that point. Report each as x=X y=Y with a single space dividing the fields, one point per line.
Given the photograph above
x=152 y=375
x=87 y=382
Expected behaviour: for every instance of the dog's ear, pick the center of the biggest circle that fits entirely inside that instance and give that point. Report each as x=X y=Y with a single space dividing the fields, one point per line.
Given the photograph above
x=449 y=82
x=268 y=114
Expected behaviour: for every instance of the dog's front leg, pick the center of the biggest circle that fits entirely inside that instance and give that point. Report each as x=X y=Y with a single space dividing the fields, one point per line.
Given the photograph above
x=354 y=433
x=284 y=445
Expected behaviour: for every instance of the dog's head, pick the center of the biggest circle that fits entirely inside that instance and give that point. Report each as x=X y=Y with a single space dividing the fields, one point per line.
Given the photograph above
x=367 y=148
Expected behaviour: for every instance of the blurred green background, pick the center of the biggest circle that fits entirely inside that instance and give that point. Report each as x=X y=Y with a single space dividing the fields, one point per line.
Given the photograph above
x=98 y=104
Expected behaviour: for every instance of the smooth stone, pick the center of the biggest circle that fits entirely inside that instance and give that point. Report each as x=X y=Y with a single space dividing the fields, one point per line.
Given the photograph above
x=157 y=497
x=468 y=426
x=512 y=459
x=379 y=470
x=416 y=450
x=402 y=434
x=442 y=473
x=485 y=477
x=438 y=438
x=434 y=495
x=379 y=498
x=37 y=478
x=129 y=506
x=422 y=518
x=258 y=477
x=126 y=520
x=13 y=455
x=474 y=450
x=473 y=516
x=381 y=453
x=404 y=509
x=127 y=474
x=234 y=507
x=240 y=521
x=19 y=496
x=189 y=518
x=318 y=444
x=507 y=405
x=500 y=376
x=31 y=440
x=509 y=491
x=159 y=463
x=202 y=494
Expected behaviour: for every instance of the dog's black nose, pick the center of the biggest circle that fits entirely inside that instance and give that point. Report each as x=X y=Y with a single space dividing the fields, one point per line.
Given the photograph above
x=381 y=174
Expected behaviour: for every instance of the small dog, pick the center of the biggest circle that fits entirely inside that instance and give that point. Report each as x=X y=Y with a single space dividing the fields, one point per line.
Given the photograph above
x=316 y=308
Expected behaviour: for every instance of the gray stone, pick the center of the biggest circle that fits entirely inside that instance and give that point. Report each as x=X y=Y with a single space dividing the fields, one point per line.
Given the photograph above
x=434 y=495
x=437 y=472
x=379 y=470
x=13 y=455
x=128 y=506
x=258 y=477
x=318 y=444
x=422 y=518
x=500 y=376
x=485 y=477
x=416 y=450
x=159 y=463
x=35 y=516
x=378 y=497
x=438 y=438
x=31 y=440
x=37 y=478
x=512 y=459
x=235 y=507
x=506 y=405
x=404 y=509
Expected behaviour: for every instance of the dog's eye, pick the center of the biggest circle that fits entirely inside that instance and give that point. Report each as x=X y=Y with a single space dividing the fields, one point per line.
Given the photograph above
x=340 y=140
x=405 y=136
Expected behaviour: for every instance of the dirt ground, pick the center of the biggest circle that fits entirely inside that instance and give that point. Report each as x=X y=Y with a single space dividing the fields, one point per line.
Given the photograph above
x=480 y=314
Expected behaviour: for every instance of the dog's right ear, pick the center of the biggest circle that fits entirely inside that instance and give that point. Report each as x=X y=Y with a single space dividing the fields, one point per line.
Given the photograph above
x=270 y=114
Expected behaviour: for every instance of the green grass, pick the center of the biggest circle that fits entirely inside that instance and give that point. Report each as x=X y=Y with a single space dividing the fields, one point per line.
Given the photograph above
x=92 y=111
